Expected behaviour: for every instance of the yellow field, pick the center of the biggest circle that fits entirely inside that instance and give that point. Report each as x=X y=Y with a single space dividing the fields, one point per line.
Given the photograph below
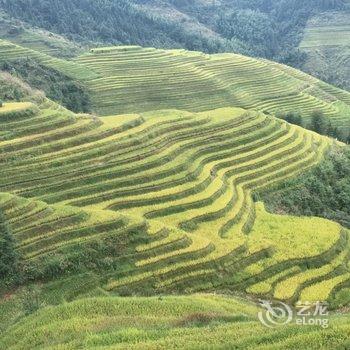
x=181 y=182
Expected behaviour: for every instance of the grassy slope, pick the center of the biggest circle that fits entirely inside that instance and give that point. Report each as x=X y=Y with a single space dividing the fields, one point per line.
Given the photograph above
x=196 y=322
x=327 y=44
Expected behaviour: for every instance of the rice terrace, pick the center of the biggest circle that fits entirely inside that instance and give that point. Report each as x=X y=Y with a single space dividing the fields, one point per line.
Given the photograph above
x=159 y=195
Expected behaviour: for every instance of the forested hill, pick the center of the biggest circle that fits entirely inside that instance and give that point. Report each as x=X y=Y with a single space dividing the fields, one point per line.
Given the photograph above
x=266 y=28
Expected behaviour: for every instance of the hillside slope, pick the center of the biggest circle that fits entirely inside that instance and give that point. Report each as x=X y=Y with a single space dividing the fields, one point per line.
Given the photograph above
x=210 y=26
x=161 y=202
x=196 y=322
x=269 y=29
x=327 y=45
x=134 y=79
x=41 y=40
x=184 y=180
x=115 y=220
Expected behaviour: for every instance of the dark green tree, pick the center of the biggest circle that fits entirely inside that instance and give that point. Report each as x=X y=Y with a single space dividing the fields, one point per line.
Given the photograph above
x=319 y=122
x=323 y=191
x=333 y=131
x=294 y=118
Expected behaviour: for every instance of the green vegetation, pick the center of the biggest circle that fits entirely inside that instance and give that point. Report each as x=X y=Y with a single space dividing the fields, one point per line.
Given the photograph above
x=206 y=26
x=36 y=39
x=186 y=80
x=197 y=82
x=173 y=188
x=271 y=29
x=115 y=22
x=56 y=85
x=323 y=191
x=319 y=123
x=298 y=33
x=102 y=216
x=326 y=44
x=14 y=89
x=8 y=254
x=324 y=126
x=54 y=240
x=196 y=322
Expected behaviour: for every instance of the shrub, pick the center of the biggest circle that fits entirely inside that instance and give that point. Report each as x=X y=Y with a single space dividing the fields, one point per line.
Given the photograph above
x=319 y=122
x=291 y=117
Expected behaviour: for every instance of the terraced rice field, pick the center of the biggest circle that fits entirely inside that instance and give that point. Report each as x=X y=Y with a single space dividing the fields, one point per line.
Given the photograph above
x=328 y=29
x=326 y=42
x=136 y=80
x=168 y=192
x=196 y=322
x=10 y=51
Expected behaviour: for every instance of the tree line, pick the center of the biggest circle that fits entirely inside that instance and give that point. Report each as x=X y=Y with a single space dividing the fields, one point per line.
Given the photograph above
x=323 y=191
x=264 y=28
x=319 y=123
